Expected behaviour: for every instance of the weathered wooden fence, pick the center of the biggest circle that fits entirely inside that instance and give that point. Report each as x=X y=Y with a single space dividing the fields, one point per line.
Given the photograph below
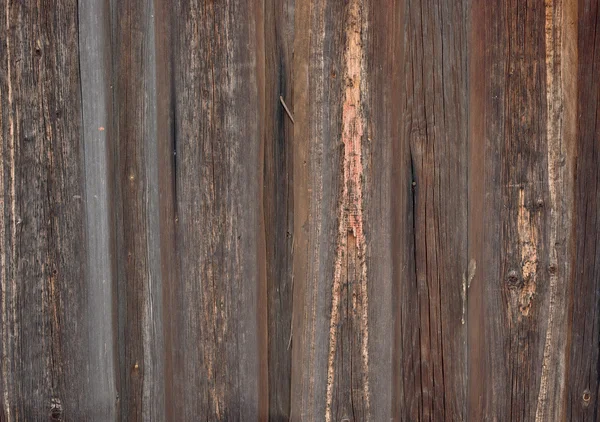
x=299 y=209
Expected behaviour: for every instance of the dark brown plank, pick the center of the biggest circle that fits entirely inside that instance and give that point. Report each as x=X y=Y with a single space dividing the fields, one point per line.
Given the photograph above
x=522 y=152
x=278 y=200
x=433 y=284
x=583 y=366
x=383 y=41
x=219 y=302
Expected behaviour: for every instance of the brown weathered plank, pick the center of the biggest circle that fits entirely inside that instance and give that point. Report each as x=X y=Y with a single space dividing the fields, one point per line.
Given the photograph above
x=278 y=200
x=383 y=40
x=522 y=153
x=433 y=285
x=139 y=277
x=218 y=307
x=342 y=346
x=583 y=380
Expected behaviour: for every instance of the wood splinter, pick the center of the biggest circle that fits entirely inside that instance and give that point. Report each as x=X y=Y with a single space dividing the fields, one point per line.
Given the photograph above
x=287 y=110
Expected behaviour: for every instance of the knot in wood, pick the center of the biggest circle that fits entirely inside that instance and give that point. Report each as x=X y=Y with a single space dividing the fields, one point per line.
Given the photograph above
x=513 y=280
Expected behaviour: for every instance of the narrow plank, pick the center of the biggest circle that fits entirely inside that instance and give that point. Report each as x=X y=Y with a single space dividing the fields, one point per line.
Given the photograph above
x=583 y=383
x=164 y=25
x=278 y=200
x=521 y=211
x=383 y=42
x=342 y=208
x=218 y=305
x=139 y=276
x=98 y=135
x=478 y=203
x=57 y=360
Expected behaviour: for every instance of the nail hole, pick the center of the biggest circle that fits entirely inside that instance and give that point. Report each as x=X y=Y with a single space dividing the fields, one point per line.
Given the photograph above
x=587 y=396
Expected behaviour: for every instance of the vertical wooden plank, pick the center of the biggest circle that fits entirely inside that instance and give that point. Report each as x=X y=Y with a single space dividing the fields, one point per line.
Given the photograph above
x=139 y=284
x=343 y=76
x=278 y=200
x=478 y=202
x=56 y=298
x=322 y=283
x=167 y=209
x=382 y=102
x=434 y=286
x=98 y=139
x=521 y=209
x=583 y=382
x=219 y=307
x=560 y=40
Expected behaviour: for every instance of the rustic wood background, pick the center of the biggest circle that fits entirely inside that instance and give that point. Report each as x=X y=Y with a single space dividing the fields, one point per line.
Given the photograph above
x=420 y=242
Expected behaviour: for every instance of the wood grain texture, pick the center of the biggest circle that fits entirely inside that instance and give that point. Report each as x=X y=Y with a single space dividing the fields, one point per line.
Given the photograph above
x=56 y=263
x=433 y=347
x=521 y=197
x=138 y=237
x=582 y=386
x=299 y=210
x=95 y=59
x=279 y=200
x=343 y=136
x=219 y=305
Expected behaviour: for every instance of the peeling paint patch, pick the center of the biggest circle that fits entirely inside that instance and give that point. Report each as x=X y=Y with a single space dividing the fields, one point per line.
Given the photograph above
x=351 y=216
x=528 y=235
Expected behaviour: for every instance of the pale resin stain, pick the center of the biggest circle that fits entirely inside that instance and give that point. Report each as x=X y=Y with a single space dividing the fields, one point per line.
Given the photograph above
x=351 y=216
x=528 y=235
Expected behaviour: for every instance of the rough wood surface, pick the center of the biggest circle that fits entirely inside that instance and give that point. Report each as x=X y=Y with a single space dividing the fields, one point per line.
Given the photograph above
x=583 y=362
x=523 y=156
x=435 y=274
x=219 y=308
x=343 y=135
x=278 y=200
x=299 y=210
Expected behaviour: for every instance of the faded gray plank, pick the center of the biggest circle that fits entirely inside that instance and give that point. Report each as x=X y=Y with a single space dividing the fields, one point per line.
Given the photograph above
x=98 y=143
